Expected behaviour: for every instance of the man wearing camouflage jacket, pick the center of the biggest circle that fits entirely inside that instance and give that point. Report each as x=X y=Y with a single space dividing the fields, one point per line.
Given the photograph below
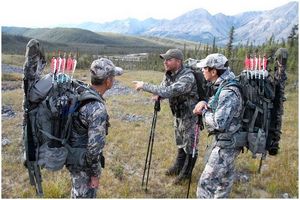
x=221 y=115
x=90 y=130
x=179 y=86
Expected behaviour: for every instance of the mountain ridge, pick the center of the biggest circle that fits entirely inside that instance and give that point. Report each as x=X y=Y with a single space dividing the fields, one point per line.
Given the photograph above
x=200 y=26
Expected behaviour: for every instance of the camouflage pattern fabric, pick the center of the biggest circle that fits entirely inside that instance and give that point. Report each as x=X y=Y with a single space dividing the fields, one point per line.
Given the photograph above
x=224 y=115
x=94 y=117
x=181 y=90
x=80 y=186
x=221 y=119
x=217 y=178
x=280 y=78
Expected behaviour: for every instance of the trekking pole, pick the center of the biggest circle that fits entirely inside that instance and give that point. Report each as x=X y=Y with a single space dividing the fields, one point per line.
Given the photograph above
x=197 y=130
x=150 y=143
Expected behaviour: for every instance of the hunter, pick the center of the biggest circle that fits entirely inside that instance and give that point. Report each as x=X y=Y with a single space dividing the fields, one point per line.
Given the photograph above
x=221 y=115
x=179 y=86
x=90 y=130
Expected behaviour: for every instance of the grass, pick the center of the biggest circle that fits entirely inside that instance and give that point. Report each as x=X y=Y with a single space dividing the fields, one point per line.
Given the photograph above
x=126 y=147
x=11 y=59
x=11 y=77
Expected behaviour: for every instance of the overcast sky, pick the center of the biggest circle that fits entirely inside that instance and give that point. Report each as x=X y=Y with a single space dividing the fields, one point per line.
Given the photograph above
x=40 y=13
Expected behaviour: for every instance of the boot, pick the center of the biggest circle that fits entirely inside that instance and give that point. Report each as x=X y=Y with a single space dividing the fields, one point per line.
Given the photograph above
x=187 y=169
x=176 y=168
x=273 y=149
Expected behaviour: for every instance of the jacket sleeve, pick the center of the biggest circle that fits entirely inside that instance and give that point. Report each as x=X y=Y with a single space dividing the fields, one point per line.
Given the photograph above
x=220 y=119
x=97 y=130
x=182 y=86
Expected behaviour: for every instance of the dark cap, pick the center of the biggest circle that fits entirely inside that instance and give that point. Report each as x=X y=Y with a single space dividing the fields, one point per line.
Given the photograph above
x=172 y=53
x=103 y=68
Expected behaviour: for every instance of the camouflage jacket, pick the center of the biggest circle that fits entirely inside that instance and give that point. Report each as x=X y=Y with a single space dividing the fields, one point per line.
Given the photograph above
x=89 y=131
x=223 y=115
x=181 y=90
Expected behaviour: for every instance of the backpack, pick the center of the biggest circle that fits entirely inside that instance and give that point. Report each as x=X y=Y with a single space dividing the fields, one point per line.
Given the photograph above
x=258 y=97
x=54 y=105
x=51 y=104
x=202 y=88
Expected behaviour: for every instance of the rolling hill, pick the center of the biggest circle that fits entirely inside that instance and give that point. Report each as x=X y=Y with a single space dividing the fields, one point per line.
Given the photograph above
x=14 y=40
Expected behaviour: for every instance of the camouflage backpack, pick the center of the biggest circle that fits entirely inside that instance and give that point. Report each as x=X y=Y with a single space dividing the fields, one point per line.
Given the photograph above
x=56 y=106
x=51 y=104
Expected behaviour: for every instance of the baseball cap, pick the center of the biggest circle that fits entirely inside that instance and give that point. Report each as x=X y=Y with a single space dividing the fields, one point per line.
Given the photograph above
x=215 y=60
x=103 y=68
x=172 y=53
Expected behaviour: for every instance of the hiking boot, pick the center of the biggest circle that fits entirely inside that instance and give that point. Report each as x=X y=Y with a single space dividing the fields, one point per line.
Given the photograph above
x=273 y=149
x=179 y=162
x=187 y=169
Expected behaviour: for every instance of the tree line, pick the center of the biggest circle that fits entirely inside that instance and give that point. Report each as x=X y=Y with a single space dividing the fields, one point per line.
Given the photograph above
x=235 y=53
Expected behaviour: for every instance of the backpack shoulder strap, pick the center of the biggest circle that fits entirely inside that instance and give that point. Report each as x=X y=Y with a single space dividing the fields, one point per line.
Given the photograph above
x=85 y=93
x=227 y=85
x=89 y=95
x=200 y=80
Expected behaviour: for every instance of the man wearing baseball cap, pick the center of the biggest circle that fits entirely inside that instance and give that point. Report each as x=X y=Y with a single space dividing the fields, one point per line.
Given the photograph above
x=90 y=129
x=221 y=115
x=179 y=86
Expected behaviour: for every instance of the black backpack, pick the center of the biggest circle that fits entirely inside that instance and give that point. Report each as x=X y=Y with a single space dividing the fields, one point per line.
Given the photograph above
x=258 y=97
x=202 y=87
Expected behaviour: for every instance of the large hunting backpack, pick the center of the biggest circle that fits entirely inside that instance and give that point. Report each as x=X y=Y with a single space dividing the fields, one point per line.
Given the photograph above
x=51 y=104
x=258 y=95
x=55 y=105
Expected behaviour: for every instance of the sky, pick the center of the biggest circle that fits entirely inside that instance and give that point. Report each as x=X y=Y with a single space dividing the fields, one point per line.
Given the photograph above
x=39 y=13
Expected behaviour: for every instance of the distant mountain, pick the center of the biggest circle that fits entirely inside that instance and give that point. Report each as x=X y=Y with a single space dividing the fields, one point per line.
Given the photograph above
x=76 y=35
x=14 y=40
x=128 y=26
x=60 y=35
x=277 y=22
x=200 y=26
x=16 y=44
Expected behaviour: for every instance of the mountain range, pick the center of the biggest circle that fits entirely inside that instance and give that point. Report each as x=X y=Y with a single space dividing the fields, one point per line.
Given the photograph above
x=200 y=26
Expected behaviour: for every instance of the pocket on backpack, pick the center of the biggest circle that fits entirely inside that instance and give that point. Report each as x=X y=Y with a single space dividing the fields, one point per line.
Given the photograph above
x=52 y=158
x=240 y=139
x=257 y=141
x=43 y=122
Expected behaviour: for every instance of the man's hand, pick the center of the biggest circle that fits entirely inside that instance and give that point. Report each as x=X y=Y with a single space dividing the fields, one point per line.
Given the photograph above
x=94 y=182
x=138 y=85
x=156 y=97
x=202 y=105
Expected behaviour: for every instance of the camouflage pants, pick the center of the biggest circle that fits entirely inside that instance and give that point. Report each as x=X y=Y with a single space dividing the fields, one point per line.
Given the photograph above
x=217 y=178
x=80 y=186
x=185 y=134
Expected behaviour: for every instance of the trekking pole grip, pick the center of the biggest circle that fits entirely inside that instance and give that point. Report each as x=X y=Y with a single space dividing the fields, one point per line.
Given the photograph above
x=157 y=105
